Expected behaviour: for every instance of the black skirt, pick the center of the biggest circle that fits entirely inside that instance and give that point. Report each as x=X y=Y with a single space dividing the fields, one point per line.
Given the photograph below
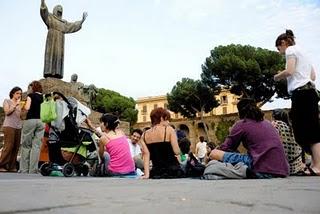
x=305 y=117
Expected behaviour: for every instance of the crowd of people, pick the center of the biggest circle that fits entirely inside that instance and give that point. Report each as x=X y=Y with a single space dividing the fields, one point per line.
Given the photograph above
x=274 y=149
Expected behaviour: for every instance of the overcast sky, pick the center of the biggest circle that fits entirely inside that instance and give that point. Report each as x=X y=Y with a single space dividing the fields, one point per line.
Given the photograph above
x=142 y=48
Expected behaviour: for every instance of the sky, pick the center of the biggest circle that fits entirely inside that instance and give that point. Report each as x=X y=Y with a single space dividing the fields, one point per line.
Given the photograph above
x=142 y=48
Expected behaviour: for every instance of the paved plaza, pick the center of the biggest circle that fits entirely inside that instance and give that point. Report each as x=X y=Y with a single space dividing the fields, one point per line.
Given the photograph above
x=37 y=194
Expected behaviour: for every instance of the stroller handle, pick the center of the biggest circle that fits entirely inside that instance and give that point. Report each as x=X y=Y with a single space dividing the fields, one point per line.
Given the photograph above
x=59 y=94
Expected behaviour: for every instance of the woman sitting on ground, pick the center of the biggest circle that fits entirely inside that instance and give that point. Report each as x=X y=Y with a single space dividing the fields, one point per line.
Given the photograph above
x=161 y=140
x=115 y=151
x=292 y=149
x=265 y=154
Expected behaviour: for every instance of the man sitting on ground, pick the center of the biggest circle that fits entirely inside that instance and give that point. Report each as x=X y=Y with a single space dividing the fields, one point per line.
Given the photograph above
x=135 y=148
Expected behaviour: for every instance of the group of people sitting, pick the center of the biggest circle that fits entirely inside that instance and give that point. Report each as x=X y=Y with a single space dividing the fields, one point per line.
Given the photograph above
x=161 y=153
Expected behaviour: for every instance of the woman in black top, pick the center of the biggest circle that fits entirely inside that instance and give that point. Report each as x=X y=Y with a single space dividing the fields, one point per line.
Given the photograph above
x=32 y=130
x=161 y=140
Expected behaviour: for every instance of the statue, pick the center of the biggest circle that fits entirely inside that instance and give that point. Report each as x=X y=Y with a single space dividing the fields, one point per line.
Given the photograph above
x=57 y=27
x=74 y=78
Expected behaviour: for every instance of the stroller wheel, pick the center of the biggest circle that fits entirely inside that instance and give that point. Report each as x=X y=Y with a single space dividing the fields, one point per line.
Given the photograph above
x=85 y=170
x=68 y=170
x=45 y=169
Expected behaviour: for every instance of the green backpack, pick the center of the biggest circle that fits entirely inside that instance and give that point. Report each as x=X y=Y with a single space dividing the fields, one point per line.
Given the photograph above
x=48 y=110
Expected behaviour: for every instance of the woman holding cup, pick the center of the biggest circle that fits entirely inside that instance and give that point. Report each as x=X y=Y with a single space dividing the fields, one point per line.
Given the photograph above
x=12 y=131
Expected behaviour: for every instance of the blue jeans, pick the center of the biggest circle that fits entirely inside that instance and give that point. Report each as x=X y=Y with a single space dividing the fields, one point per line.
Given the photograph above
x=234 y=158
x=106 y=160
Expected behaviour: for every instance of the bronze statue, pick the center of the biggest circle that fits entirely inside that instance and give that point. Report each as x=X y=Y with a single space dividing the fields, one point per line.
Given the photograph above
x=57 y=27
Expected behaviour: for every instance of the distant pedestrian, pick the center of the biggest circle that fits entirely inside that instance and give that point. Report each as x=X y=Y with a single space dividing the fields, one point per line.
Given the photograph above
x=201 y=149
x=300 y=76
x=12 y=131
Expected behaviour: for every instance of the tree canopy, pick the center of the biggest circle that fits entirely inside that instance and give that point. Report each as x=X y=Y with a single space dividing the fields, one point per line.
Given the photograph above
x=189 y=97
x=108 y=101
x=247 y=71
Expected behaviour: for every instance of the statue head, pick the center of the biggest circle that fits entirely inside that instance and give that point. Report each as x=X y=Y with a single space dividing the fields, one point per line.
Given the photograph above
x=57 y=11
x=74 y=78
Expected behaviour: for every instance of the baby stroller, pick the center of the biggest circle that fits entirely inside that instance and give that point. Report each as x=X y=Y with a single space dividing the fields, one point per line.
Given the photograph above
x=69 y=144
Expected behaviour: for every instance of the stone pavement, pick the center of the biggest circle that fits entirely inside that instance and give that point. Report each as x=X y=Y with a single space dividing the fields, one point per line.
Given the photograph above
x=37 y=194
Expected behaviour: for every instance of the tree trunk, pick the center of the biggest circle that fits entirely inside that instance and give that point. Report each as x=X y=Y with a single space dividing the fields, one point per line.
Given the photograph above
x=204 y=125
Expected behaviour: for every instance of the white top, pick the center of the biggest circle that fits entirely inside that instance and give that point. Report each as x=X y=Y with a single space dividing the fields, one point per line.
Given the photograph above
x=202 y=149
x=302 y=73
x=134 y=148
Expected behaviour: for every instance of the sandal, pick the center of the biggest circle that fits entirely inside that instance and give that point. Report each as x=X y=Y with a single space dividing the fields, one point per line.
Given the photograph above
x=312 y=172
x=308 y=171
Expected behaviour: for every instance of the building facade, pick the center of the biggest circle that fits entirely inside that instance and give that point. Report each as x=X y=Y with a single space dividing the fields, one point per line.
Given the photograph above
x=228 y=105
x=194 y=128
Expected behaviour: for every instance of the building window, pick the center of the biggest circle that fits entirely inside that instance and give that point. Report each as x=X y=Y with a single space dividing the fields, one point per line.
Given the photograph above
x=224 y=100
x=144 y=119
x=155 y=106
x=224 y=110
x=144 y=109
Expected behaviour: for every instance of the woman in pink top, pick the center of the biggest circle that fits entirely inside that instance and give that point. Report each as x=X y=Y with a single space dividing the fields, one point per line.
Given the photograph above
x=115 y=151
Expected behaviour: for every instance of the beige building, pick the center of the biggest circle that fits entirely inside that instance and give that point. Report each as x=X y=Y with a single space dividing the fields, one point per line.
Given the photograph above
x=192 y=127
x=228 y=105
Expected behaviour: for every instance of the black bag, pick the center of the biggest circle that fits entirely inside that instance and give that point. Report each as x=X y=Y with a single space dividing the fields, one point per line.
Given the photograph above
x=194 y=168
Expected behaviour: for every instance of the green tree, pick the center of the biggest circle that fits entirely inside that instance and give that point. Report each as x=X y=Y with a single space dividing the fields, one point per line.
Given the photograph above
x=191 y=97
x=108 y=101
x=247 y=71
x=222 y=130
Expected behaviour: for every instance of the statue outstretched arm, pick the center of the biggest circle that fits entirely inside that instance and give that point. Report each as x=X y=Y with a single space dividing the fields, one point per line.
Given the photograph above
x=84 y=16
x=72 y=27
x=44 y=12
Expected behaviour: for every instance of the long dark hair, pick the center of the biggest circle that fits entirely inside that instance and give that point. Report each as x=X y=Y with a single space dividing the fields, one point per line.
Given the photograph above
x=248 y=109
x=287 y=36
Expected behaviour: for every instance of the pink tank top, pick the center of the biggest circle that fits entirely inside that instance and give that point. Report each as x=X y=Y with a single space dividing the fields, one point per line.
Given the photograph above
x=120 y=156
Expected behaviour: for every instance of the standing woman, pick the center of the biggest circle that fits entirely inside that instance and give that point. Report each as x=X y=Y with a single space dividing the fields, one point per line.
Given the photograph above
x=300 y=77
x=12 y=131
x=32 y=131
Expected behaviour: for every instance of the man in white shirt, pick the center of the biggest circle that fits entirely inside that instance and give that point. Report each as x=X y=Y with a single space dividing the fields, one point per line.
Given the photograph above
x=201 y=149
x=135 y=148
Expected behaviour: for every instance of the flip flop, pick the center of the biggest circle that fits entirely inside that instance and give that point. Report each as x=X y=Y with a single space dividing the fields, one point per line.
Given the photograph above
x=307 y=172
x=312 y=172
